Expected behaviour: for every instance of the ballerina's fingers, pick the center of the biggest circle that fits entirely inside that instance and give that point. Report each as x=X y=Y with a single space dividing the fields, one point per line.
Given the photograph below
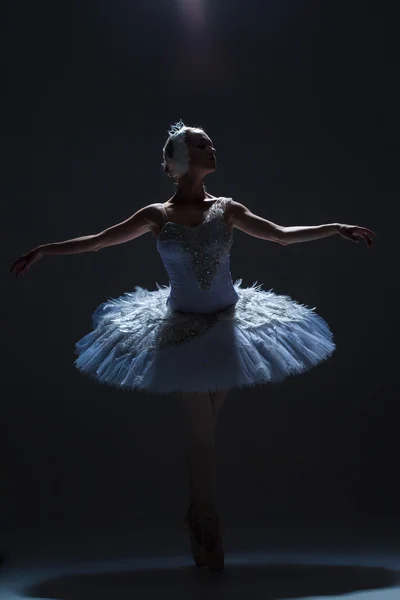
x=363 y=232
x=16 y=266
x=369 y=231
x=20 y=267
x=368 y=235
x=369 y=240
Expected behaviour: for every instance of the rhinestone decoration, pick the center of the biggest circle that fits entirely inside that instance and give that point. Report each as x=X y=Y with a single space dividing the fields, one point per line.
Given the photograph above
x=208 y=244
x=188 y=327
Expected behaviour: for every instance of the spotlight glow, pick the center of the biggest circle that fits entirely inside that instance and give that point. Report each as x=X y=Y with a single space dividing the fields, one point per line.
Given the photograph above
x=193 y=11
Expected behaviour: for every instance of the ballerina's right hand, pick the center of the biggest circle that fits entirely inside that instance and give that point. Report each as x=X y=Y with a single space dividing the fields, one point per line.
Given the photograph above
x=24 y=262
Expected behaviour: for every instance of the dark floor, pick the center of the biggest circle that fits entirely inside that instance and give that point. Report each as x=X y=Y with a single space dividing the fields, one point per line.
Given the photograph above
x=269 y=562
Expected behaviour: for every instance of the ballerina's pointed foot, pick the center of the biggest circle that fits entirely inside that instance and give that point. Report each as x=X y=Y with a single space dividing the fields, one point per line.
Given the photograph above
x=197 y=549
x=203 y=526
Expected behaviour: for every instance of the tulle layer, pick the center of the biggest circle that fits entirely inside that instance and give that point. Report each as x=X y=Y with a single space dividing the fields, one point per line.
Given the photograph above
x=137 y=342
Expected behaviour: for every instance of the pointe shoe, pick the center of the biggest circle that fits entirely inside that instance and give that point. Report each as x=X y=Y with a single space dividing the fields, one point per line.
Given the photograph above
x=210 y=537
x=191 y=526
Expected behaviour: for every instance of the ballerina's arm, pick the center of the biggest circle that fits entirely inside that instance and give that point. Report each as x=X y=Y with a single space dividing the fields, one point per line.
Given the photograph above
x=242 y=218
x=141 y=222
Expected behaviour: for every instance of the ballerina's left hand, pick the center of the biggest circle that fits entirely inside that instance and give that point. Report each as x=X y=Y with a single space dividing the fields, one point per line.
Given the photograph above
x=354 y=233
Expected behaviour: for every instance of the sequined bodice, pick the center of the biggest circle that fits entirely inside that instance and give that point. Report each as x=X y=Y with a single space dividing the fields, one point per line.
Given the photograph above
x=197 y=260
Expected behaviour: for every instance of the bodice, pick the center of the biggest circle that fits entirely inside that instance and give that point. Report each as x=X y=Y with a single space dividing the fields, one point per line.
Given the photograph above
x=197 y=260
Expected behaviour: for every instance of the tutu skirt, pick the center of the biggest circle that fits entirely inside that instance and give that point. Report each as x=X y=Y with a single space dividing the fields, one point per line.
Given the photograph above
x=138 y=343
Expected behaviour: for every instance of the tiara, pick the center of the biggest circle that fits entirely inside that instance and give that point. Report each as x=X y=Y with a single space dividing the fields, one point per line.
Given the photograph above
x=176 y=127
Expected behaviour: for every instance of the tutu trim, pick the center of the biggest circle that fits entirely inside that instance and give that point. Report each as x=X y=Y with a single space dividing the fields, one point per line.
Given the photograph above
x=139 y=343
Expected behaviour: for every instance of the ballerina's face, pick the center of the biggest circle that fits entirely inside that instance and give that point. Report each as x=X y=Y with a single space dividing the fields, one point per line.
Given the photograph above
x=201 y=153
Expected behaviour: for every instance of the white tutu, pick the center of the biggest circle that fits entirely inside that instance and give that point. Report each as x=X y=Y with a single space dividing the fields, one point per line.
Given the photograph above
x=138 y=342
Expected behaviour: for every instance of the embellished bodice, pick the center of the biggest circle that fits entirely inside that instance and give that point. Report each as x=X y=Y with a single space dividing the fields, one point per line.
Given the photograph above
x=197 y=260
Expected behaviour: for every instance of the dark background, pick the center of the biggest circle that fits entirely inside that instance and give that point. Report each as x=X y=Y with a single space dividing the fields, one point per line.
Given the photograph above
x=301 y=100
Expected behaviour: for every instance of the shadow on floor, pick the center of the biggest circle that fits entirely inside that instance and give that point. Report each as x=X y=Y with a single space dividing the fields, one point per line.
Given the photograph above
x=239 y=579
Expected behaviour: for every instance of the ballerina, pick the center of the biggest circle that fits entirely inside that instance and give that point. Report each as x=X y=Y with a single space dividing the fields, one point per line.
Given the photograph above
x=202 y=334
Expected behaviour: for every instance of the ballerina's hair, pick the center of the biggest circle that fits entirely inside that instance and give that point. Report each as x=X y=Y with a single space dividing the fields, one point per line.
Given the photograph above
x=175 y=152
